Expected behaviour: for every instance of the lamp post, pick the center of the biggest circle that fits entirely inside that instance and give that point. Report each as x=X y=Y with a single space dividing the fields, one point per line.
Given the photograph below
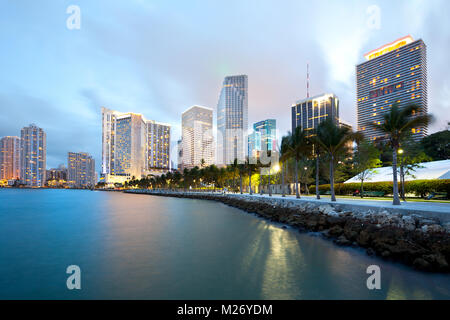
x=276 y=168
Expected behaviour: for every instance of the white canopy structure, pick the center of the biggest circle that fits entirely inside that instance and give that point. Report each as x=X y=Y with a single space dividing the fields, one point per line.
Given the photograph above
x=427 y=171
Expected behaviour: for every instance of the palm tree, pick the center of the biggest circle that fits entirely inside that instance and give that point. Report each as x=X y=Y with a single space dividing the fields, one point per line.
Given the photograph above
x=242 y=169
x=397 y=125
x=251 y=168
x=317 y=156
x=299 y=147
x=333 y=140
x=232 y=168
x=284 y=156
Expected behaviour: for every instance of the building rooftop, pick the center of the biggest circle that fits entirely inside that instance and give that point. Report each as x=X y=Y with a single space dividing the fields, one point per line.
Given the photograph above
x=320 y=96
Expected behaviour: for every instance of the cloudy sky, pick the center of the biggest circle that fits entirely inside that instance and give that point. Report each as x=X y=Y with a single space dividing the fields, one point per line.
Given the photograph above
x=160 y=57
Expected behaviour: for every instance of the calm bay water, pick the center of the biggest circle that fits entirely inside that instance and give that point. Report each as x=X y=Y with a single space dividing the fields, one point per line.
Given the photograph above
x=145 y=247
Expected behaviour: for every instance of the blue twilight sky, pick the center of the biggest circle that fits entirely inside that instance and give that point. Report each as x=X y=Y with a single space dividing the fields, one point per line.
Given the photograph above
x=160 y=57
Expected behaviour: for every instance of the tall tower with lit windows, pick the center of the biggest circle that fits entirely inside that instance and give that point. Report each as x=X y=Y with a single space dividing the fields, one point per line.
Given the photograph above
x=132 y=146
x=393 y=73
x=33 y=157
x=232 y=120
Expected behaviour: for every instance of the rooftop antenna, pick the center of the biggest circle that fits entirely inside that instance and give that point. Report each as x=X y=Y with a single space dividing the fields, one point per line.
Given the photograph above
x=307 y=80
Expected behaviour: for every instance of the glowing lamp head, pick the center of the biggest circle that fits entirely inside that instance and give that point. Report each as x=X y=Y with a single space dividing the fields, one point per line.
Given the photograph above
x=276 y=168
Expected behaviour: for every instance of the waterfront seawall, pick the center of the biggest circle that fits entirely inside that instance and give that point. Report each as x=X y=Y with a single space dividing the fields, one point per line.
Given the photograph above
x=402 y=235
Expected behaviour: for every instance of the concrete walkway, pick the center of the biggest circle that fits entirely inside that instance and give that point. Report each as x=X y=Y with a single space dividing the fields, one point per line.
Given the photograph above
x=412 y=205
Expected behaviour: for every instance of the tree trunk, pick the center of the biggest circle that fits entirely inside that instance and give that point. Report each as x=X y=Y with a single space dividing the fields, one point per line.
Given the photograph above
x=362 y=189
x=333 y=196
x=283 y=193
x=402 y=182
x=270 y=185
x=297 y=191
x=260 y=183
x=250 y=182
x=240 y=183
x=307 y=189
x=317 y=177
x=396 y=201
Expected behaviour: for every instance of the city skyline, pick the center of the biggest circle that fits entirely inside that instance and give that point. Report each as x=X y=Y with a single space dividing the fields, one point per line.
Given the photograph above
x=74 y=57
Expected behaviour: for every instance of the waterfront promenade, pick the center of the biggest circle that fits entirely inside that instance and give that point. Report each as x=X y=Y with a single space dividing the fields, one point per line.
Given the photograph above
x=435 y=210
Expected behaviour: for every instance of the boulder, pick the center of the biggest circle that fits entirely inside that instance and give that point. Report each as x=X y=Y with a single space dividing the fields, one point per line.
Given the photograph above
x=342 y=241
x=335 y=231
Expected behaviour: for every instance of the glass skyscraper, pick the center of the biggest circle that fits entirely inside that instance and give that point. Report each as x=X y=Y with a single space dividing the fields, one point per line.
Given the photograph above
x=268 y=130
x=232 y=120
x=309 y=112
x=394 y=73
x=254 y=144
x=33 y=156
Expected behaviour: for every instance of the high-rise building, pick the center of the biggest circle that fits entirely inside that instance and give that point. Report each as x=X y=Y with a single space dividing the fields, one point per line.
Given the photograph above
x=33 y=155
x=197 y=137
x=309 y=112
x=394 y=73
x=9 y=158
x=179 y=154
x=158 y=145
x=268 y=130
x=132 y=146
x=57 y=177
x=232 y=120
x=130 y=143
x=254 y=144
x=80 y=170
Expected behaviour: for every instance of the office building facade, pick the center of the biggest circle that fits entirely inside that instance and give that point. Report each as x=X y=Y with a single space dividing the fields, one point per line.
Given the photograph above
x=308 y=113
x=80 y=170
x=232 y=120
x=394 y=73
x=132 y=146
x=158 y=145
x=197 y=137
x=268 y=130
x=9 y=158
x=33 y=156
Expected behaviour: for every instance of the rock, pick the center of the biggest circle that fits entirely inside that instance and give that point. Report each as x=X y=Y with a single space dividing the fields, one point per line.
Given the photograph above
x=437 y=260
x=447 y=227
x=325 y=209
x=421 y=264
x=426 y=222
x=342 y=241
x=432 y=228
x=363 y=238
x=335 y=231
x=408 y=222
x=385 y=254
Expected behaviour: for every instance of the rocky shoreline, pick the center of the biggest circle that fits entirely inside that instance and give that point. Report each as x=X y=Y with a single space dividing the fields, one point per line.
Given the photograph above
x=420 y=242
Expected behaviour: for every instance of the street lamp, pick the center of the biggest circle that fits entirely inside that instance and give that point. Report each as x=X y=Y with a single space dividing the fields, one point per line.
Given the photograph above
x=400 y=151
x=276 y=168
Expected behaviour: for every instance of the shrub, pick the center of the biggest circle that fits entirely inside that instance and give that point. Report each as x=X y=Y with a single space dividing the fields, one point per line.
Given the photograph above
x=418 y=187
